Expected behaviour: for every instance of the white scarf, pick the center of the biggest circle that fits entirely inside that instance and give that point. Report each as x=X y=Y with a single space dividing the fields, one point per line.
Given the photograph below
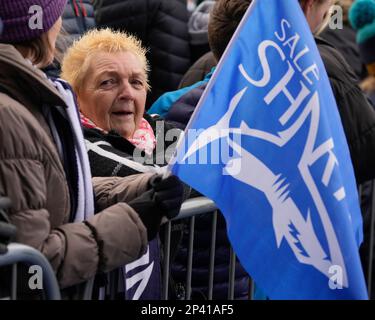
x=85 y=198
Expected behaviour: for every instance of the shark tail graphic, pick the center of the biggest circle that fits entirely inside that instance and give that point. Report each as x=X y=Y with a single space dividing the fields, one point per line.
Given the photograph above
x=301 y=238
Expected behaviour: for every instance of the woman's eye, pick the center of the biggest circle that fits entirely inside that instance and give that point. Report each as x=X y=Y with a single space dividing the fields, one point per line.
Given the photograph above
x=137 y=83
x=107 y=82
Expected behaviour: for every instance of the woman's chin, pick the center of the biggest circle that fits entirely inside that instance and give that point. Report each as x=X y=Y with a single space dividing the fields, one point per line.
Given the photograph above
x=125 y=133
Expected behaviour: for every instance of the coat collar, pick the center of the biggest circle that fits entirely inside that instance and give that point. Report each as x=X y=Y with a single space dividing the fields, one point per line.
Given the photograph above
x=26 y=81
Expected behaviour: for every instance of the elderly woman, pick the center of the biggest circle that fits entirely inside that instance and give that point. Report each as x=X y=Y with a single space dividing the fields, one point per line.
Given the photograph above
x=44 y=168
x=108 y=72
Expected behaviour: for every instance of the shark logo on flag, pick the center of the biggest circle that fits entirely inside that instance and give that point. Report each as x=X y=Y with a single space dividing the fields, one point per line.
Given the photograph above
x=288 y=192
x=285 y=211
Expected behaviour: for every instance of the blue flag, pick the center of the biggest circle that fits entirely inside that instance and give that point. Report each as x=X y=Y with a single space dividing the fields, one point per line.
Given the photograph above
x=267 y=145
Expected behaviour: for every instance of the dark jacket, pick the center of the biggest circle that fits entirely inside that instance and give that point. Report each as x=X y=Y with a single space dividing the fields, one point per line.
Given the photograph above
x=106 y=150
x=198 y=70
x=112 y=155
x=357 y=114
x=180 y=112
x=161 y=25
x=344 y=40
x=78 y=17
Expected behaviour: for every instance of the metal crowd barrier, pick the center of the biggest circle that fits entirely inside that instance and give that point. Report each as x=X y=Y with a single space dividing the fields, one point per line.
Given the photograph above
x=12 y=254
x=190 y=209
x=19 y=253
x=201 y=205
x=196 y=206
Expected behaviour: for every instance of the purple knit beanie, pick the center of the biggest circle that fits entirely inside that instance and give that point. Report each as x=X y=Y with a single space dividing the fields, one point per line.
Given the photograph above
x=25 y=20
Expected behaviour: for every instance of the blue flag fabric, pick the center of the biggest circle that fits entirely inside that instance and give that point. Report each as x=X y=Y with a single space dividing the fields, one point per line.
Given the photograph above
x=267 y=145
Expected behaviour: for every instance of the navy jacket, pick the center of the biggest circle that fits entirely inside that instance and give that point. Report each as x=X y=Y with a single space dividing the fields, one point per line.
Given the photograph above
x=78 y=17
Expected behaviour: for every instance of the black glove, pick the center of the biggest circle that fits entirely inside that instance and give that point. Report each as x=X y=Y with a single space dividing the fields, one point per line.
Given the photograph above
x=164 y=198
x=168 y=194
x=147 y=211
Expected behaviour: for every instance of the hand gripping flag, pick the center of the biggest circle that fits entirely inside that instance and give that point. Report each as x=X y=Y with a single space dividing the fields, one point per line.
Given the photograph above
x=267 y=145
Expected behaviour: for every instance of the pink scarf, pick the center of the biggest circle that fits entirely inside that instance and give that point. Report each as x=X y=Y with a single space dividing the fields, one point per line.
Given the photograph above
x=143 y=138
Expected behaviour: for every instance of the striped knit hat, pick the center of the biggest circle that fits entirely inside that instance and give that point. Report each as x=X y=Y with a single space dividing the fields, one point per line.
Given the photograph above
x=25 y=20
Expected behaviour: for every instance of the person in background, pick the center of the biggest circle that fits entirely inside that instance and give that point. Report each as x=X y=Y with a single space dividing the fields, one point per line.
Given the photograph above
x=198 y=71
x=198 y=24
x=344 y=40
x=78 y=18
x=201 y=71
x=83 y=226
x=362 y=18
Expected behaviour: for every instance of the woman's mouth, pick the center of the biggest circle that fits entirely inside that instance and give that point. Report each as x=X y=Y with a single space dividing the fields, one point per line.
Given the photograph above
x=125 y=114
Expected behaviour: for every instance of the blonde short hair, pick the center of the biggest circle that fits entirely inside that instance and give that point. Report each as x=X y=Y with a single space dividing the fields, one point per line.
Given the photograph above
x=78 y=57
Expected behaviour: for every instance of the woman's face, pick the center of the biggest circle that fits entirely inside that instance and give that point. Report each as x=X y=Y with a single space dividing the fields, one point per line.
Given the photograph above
x=113 y=92
x=316 y=12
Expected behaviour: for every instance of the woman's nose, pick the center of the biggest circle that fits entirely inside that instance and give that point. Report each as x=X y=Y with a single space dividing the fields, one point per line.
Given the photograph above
x=126 y=91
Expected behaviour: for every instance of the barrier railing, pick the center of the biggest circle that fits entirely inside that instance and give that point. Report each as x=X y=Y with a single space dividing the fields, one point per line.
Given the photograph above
x=201 y=205
x=19 y=253
x=190 y=209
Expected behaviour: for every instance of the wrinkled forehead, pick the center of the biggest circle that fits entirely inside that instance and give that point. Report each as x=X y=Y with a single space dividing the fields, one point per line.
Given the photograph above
x=121 y=59
x=100 y=62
